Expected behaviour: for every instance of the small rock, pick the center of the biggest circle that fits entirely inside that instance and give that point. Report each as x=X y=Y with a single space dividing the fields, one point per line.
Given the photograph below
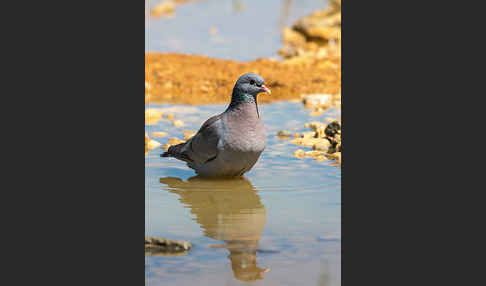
x=163 y=246
x=166 y=147
x=152 y=144
x=165 y=8
x=152 y=116
x=284 y=133
x=315 y=125
x=314 y=153
x=175 y=141
x=337 y=138
x=188 y=134
x=178 y=123
x=329 y=119
x=335 y=156
x=322 y=145
x=317 y=100
x=172 y=141
x=310 y=134
x=333 y=128
x=320 y=158
x=299 y=153
x=321 y=132
x=159 y=134
x=308 y=142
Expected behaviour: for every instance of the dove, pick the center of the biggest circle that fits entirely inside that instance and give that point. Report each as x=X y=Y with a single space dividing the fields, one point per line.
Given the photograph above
x=228 y=144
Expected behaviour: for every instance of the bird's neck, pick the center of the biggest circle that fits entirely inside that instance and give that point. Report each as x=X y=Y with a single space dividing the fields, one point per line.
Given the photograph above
x=239 y=97
x=244 y=103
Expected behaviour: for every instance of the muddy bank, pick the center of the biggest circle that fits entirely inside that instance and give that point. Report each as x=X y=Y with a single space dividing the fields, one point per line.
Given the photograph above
x=192 y=79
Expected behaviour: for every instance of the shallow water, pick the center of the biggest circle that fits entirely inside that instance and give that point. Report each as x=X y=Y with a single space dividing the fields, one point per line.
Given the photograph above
x=244 y=29
x=280 y=225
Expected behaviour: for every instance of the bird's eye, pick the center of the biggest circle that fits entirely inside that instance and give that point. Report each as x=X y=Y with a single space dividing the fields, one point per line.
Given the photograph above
x=252 y=82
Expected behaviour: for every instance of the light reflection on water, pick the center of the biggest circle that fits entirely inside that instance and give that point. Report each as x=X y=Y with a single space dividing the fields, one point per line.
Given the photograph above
x=285 y=215
x=229 y=211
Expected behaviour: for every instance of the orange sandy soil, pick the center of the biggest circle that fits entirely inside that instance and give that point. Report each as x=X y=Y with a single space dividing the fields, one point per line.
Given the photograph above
x=194 y=79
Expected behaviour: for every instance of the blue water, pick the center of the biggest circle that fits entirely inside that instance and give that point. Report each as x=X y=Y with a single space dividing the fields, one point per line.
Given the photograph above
x=284 y=217
x=245 y=29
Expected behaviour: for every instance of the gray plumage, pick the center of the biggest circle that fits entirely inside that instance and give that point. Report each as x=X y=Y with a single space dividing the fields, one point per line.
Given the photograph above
x=228 y=144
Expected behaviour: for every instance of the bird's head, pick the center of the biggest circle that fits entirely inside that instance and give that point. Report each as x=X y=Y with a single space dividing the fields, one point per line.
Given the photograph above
x=251 y=84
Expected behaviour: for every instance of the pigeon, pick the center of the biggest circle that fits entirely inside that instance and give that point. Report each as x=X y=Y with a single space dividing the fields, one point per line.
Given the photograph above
x=228 y=144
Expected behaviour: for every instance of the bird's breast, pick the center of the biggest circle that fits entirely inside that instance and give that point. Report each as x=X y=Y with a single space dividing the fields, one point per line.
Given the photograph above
x=251 y=140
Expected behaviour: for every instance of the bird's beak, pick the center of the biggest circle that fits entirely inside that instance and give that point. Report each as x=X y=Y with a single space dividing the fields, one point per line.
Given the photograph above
x=266 y=89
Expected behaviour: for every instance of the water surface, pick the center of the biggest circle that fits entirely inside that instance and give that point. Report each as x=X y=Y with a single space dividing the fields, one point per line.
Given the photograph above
x=279 y=225
x=244 y=29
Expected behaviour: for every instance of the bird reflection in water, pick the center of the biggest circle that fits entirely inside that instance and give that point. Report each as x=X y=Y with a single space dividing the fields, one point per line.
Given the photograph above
x=230 y=211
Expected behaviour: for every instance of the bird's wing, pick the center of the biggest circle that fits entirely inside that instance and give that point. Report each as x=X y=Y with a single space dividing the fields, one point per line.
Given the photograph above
x=202 y=147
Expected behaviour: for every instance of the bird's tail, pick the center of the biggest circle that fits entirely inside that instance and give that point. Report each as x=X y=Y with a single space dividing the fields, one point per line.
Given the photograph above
x=169 y=153
x=166 y=154
x=176 y=152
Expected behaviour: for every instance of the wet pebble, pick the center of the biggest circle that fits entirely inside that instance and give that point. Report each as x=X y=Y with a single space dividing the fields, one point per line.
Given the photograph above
x=284 y=133
x=333 y=128
x=150 y=144
x=335 y=156
x=320 y=158
x=188 y=134
x=307 y=135
x=306 y=141
x=322 y=145
x=172 y=141
x=299 y=153
x=178 y=123
x=160 y=245
x=315 y=125
x=317 y=100
x=159 y=134
x=152 y=116
x=165 y=8
x=314 y=153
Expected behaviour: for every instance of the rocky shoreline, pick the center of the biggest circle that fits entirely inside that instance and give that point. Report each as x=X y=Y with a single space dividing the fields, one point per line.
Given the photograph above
x=325 y=140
